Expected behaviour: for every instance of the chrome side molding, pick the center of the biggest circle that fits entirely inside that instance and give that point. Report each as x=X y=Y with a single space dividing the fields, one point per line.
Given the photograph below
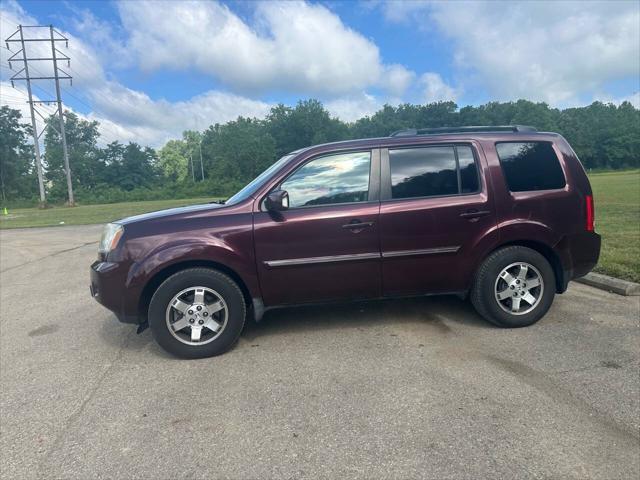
x=426 y=251
x=327 y=259
x=358 y=256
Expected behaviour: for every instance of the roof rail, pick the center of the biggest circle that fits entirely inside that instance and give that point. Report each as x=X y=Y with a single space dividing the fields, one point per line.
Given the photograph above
x=411 y=132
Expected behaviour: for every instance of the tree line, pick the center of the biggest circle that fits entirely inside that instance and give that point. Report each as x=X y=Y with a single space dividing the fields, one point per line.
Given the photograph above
x=224 y=157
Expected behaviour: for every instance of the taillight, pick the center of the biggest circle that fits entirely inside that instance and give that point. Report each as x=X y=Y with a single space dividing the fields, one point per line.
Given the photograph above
x=591 y=219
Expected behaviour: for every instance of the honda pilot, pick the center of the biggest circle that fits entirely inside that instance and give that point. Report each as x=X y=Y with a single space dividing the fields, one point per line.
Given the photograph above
x=501 y=215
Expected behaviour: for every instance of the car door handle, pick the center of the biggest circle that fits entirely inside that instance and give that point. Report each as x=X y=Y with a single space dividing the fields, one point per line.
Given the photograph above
x=357 y=225
x=475 y=213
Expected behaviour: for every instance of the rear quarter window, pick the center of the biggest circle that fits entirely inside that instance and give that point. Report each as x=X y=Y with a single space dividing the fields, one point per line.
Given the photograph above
x=530 y=166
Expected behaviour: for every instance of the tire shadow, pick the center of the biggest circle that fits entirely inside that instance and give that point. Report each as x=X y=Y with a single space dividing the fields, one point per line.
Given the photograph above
x=438 y=314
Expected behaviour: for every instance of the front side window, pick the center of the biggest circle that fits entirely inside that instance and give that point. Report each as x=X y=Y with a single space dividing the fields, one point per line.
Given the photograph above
x=432 y=171
x=339 y=178
x=530 y=166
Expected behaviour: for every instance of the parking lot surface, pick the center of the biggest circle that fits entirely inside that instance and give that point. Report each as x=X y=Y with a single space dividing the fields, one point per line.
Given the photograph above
x=396 y=389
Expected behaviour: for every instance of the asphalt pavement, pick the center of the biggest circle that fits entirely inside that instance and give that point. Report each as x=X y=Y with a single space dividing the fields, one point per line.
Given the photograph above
x=395 y=389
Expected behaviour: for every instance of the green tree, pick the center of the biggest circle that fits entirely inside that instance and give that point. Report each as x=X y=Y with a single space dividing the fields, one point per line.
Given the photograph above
x=17 y=175
x=128 y=166
x=238 y=150
x=87 y=171
x=308 y=123
x=173 y=160
x=138 y=167
x=603 y=136
x=390 y=119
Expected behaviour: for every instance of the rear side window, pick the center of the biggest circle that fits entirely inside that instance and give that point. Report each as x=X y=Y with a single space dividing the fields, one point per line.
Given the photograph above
x=529 y=166
x=432 y=171
x=468 y=170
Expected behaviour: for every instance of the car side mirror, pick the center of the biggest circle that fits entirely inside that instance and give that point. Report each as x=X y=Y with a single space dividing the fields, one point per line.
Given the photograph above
x=277 y=201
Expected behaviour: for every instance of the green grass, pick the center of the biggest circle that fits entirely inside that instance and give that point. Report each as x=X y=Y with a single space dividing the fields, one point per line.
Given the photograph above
x=617 y=199
x=87 y=214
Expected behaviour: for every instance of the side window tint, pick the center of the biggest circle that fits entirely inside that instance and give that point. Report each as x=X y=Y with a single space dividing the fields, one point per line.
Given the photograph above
x=468 y=170
x=423 y=172
x=341 y=178
x=530 y=166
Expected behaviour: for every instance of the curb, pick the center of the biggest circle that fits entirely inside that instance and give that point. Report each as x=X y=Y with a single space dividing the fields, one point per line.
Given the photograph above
x=610 y=284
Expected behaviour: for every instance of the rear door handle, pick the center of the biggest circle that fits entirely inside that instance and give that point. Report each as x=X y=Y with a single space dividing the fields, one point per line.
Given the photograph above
x=357 y=225
x=475 y=213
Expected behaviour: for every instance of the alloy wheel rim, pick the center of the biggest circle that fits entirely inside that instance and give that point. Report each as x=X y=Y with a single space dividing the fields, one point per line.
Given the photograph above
x=519 y=288
x=197 y=315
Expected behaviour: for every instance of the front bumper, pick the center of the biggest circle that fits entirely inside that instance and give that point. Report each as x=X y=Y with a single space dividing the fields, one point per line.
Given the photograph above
x=108 y=287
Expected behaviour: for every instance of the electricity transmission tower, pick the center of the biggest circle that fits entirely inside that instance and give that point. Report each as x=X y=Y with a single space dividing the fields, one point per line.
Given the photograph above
x=57 y=75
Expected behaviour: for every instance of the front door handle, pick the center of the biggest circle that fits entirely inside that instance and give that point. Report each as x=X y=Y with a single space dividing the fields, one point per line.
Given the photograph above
x=475 y=214
x=357 y=225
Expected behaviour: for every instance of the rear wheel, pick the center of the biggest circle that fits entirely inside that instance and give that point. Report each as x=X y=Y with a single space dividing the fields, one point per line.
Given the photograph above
x=196 y=313
x=514 y=287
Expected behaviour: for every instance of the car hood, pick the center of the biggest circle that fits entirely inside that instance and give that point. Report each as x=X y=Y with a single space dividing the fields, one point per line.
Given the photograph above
x=169 y=212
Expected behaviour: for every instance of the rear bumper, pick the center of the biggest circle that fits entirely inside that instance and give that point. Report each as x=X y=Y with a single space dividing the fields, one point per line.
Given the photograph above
x=579 y=254
x=585 y=252
x=107 y=287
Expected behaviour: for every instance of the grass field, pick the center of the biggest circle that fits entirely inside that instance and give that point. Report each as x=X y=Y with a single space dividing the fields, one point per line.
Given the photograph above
x=87 y=214
x=617 y=197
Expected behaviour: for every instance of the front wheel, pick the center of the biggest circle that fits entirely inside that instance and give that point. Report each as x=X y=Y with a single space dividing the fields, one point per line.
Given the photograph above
x=196 y=313
x=514 y=287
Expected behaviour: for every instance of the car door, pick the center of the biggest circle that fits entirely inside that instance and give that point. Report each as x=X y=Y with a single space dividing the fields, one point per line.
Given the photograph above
x=435 y=215
x=325 y=246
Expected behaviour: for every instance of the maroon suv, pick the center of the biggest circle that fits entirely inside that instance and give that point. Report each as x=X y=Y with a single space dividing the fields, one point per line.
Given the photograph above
x=504 y=215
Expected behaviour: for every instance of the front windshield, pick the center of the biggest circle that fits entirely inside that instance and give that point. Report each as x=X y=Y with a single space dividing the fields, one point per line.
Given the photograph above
x=257 y=182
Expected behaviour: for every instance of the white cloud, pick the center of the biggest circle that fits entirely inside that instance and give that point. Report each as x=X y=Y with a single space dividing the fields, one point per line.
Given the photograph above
x=351 y=108
x=435 y=89
x=633 y=99
x=396 y=79
x=539 y=50
x=136 y=117
x=124 y=114
x=290 y=46
x=293 y=46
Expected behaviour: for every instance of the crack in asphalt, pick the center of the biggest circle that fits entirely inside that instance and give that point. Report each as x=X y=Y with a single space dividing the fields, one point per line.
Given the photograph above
x=589 y=413
x=85 y=401
x=50 y=255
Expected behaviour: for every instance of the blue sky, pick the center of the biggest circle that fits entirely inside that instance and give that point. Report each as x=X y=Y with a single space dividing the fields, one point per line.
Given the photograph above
x=149 y=70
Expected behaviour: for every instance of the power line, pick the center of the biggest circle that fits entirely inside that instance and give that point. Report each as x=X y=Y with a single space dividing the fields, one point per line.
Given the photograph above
x=52 y=38
x=104 y=126
x=93 y=108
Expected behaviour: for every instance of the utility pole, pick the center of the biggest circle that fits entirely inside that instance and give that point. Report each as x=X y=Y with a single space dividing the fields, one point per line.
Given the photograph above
x=36 y=143
x=61 y=118
x=53 y=37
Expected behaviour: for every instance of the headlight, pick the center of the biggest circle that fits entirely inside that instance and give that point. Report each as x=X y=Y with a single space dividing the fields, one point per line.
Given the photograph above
x=110 y=237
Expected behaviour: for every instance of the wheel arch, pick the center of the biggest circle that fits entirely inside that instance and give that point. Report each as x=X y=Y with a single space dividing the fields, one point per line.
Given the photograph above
x=545 y=250
x=154 y=282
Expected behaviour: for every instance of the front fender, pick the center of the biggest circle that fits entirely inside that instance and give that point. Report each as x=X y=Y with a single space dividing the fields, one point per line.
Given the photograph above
x=196 y=251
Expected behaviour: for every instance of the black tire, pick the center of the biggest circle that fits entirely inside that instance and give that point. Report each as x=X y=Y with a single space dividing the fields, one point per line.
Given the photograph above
x=483 y=296
x=205 y=277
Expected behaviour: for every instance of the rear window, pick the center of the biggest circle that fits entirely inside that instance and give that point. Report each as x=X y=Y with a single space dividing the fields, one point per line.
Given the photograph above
x=529 y=166
x=432 y=171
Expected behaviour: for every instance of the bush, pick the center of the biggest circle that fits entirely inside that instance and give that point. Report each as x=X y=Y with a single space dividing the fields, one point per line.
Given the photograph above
x=163 y=191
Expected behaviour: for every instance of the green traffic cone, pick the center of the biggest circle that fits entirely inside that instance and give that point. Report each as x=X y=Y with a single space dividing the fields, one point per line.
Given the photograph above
x=4 y=211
